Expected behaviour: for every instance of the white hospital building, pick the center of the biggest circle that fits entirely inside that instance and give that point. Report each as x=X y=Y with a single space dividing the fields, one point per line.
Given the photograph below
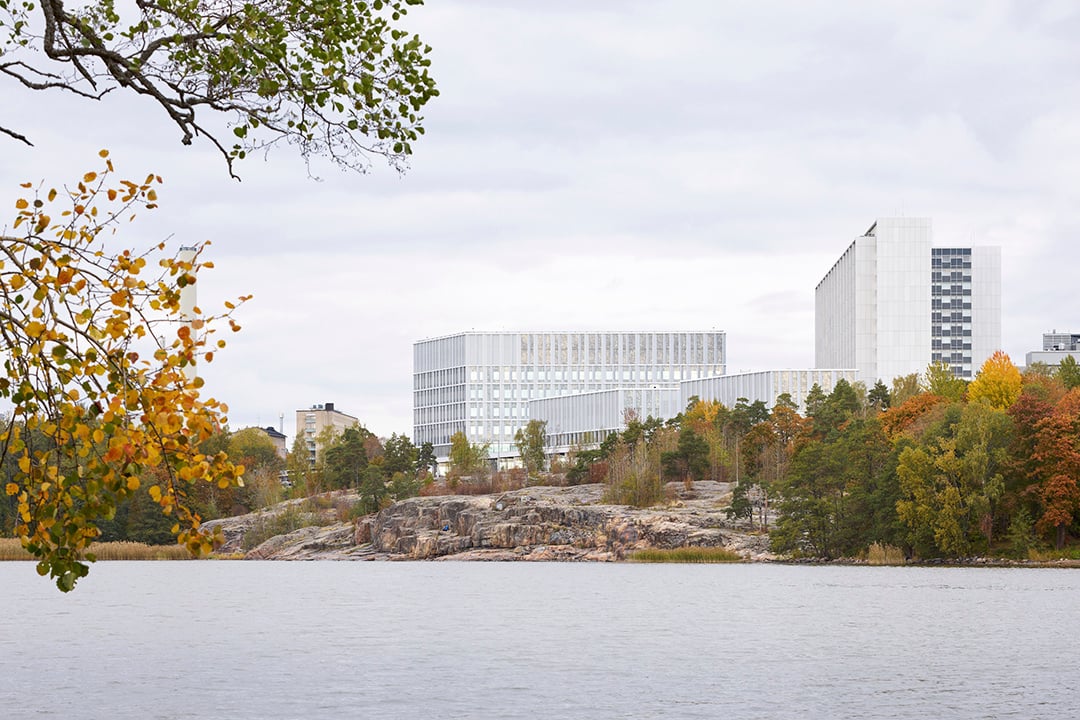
x=480 y=383
x=893 y=303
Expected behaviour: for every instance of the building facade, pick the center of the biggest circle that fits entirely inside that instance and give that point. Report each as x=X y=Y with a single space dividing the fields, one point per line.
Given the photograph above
x=893 y=303
x=1056 y=347
x=766 y=386
x=585 y=419
x=311 y=422
x=480 y=383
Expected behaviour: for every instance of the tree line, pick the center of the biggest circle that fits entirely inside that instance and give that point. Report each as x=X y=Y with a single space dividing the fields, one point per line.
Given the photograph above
x=935 y=465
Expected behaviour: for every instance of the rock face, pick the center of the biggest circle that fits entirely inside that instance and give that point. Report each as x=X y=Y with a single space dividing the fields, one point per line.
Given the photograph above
x=536 y=523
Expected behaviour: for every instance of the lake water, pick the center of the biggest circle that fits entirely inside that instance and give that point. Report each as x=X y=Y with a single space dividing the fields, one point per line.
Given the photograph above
x=237 y=640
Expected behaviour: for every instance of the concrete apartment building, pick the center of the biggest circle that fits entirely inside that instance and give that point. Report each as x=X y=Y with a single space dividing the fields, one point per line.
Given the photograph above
x=312 y=421
x=893 y=303
x=1056 y=346
x=480 y=383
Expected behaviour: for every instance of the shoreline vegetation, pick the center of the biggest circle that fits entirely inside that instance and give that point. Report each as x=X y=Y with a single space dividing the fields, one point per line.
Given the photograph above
x=876 y=556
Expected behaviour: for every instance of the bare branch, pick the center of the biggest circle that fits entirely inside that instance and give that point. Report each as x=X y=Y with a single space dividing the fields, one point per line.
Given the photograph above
x=18 y=136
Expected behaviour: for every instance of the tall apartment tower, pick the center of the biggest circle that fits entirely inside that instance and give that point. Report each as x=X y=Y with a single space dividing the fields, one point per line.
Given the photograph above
x=480 y=383
x=893 y=303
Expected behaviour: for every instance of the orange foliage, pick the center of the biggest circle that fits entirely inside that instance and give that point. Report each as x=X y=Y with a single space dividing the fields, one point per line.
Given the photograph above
x=898 y=420
x=99 y=374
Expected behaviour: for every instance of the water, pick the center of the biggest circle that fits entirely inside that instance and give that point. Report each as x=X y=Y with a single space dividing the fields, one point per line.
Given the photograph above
x=237 y=640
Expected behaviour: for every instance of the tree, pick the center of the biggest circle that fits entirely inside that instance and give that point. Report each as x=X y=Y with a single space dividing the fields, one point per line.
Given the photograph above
x=690 y=460
x=530 y=445
x=466 y=459
x=953 y=480
x=904 y=388
x=335 y=79
x=941 y=381
x=98 y=369
x=425 y=459
x=1069 y=372
x=879 y=396
x=399 y=456
x=1057 y=457
x=998 y=383
x=345 y=459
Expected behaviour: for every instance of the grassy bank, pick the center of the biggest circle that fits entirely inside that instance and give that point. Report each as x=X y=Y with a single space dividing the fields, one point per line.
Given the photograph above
x=687 y=555
x=10 y=549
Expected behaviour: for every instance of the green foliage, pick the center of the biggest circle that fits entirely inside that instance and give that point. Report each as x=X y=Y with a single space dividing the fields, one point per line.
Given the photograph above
x=1069 y=372
x=879 y=396
x=467 y=459
x=399 y=456
x=953 y=480
x=530 y=445
x=690 y=461
x=373 y=489
x=335 y=79
x=346 y=459
x=425 y=459
x=940 y=380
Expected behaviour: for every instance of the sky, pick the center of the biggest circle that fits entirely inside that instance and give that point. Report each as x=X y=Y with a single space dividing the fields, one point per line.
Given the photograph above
x=613 y=165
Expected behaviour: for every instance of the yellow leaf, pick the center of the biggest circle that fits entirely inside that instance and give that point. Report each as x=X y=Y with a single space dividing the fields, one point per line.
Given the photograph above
x=133 y=483
x=90 y=177
x=12 y=488
x=103 y=153
x=21 y=204
x=155 y=493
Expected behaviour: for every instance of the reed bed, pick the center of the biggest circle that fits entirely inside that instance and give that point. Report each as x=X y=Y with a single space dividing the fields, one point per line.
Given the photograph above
x=878 y=554
x=10 y=549
x=686 y=555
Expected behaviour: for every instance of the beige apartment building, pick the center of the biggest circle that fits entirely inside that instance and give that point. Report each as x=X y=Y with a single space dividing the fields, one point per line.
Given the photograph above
x=311 y=422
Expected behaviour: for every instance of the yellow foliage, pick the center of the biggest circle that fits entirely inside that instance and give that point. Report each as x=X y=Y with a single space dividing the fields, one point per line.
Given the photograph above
x=998 y=383
x=97 y=374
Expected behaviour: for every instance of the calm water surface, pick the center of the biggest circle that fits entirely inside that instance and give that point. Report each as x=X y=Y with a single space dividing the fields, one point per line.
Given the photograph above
x=519 y=640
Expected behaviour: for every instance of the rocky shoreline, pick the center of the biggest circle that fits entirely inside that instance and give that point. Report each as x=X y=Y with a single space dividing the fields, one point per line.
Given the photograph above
x=531 y=524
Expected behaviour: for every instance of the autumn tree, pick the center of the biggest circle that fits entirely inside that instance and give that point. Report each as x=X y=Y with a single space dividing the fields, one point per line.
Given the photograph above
x=998 y=383
x=335 y=79
x=98 y=371
x=1057 y=457
x=904 y=388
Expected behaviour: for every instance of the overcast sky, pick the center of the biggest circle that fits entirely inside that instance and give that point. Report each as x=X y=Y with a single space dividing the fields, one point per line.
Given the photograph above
x=616 y=165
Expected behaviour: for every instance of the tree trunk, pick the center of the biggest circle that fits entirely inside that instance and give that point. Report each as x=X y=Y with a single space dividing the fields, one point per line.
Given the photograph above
x=1060 y=540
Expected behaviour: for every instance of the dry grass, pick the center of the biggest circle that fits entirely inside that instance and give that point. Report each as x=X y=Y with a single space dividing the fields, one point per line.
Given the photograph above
x=686 y=555
x=11 y=549
x=878 y=554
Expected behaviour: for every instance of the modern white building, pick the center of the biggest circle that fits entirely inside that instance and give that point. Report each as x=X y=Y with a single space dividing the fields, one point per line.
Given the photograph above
x=766 y=386
x=585 y=419
x=480 y=383
x=1055 y=348
x=893 y=303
